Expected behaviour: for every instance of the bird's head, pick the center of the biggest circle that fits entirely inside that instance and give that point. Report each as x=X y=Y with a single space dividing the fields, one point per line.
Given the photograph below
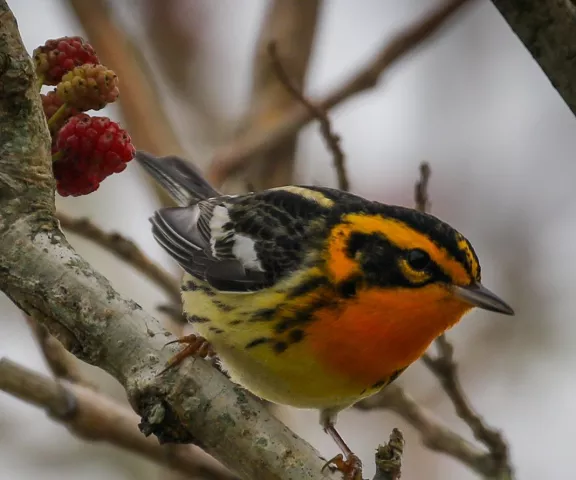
x=404 y=278
x=412 y=261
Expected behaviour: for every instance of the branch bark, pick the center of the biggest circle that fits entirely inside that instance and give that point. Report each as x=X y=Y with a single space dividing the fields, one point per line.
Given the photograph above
x=389 y=458
x=126 y=250
x=41 y=272
x=60 y=362
x=547 y=30
x=94 y=417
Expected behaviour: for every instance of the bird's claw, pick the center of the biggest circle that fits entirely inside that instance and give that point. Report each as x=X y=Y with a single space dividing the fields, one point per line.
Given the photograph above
x=351 y=467
x=196 y=346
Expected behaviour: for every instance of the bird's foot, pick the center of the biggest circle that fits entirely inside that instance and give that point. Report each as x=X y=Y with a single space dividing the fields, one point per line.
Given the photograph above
x=196 y=346
x=351 y=467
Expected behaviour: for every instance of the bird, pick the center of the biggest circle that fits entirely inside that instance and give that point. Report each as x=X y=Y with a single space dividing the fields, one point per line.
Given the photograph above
x=310 y=296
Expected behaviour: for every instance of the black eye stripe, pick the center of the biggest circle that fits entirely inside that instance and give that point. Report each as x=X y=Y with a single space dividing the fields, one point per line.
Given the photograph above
x=381 y=264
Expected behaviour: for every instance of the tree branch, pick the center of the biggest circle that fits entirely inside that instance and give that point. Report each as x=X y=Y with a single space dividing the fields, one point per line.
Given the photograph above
x=95 y=417
x=235 y=157
x=332 y=140
x=126 y=250
x=445 y=370
x=41 y=272
x=546 y=28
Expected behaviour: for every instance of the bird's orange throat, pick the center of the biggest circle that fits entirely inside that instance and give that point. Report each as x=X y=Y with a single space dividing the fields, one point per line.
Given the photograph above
x=382 y=331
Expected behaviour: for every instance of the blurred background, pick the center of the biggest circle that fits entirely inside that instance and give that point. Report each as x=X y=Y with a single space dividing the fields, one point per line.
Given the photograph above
x=470 y=101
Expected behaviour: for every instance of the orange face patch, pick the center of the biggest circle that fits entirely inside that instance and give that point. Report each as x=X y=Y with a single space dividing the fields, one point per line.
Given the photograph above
x=341 y=266
x=382 y=330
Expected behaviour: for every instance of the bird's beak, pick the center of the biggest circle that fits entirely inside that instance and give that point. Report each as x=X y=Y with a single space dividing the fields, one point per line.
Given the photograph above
x=479 y=296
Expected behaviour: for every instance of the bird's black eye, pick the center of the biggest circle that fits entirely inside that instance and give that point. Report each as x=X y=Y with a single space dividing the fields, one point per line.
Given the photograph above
x=418 y=259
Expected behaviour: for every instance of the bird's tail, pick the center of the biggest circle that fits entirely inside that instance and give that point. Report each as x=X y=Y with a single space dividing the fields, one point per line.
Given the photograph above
x=181 y=179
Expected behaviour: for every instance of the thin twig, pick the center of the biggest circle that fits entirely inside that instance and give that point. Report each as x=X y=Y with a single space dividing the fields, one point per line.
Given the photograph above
x=124 y=249
x=93 y=416
x=332 y=140
x=236 y=156
x=421 y=188
x=434 y=435
x=445 y=369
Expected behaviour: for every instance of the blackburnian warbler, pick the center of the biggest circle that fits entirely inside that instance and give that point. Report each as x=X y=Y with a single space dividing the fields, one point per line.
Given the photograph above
x=312 y=297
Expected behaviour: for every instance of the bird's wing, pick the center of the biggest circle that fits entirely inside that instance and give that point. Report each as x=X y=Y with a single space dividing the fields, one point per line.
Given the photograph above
x=245 y=243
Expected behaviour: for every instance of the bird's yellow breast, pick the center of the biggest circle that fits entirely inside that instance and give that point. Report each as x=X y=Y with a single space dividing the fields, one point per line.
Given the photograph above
x=272 y=366
x=344 y=351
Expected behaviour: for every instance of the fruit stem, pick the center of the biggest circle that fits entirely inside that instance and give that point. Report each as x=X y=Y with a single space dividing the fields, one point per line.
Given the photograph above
x=57 y=156
x=60 y=114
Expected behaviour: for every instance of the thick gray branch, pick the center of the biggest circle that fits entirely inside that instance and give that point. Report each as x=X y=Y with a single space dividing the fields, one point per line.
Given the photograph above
x=548 y=30
x=41 y=273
